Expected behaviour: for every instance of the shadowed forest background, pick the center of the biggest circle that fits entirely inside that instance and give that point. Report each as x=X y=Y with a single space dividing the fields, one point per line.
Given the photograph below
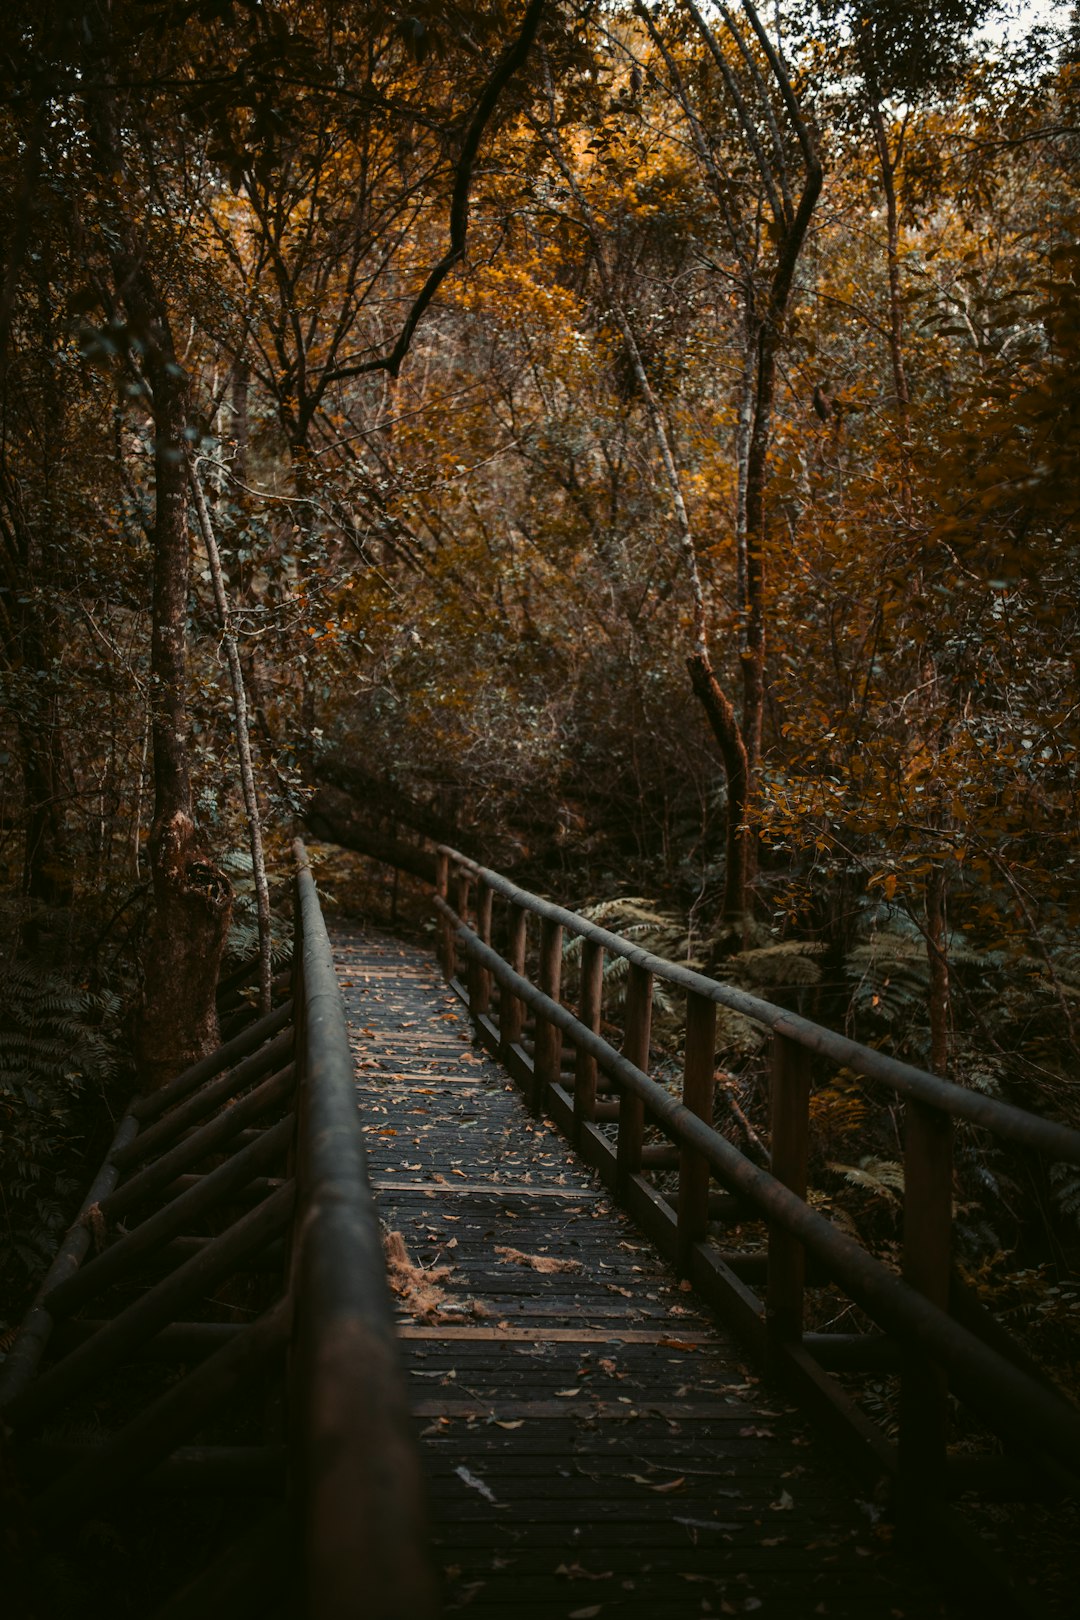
x=639 y=445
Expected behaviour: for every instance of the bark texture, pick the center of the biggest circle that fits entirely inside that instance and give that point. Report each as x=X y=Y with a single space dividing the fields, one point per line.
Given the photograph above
x=192 y=902
x=720 y=713
x=192 y=899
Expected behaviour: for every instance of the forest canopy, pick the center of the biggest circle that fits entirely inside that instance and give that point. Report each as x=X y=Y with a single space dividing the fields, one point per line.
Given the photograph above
x=638 y=443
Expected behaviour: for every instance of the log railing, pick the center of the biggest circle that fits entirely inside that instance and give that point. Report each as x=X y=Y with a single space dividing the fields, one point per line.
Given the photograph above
x=261 y=1141
x=358 y=1468
x=937 y=1332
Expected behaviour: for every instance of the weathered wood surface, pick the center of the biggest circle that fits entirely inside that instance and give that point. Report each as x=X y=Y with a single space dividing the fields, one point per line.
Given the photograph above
x=595 y=1443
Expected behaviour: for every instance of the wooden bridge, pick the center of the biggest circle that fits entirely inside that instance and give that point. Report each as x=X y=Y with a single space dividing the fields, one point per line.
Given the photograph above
x=216 y=1406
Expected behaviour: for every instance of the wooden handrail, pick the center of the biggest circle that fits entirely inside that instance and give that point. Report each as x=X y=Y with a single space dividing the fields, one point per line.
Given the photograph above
x=1060 y=1142
x=937 y=1350
x=358 y=1466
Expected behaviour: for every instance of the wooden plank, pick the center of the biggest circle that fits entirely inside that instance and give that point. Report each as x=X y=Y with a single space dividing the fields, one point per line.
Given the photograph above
x=497 y=1189
x=445 y=1333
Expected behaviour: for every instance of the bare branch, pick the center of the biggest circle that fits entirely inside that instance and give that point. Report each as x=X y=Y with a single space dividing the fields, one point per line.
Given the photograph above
x=511 y=60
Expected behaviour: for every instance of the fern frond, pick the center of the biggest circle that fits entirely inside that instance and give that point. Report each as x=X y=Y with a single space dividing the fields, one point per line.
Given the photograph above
x=883 y=1177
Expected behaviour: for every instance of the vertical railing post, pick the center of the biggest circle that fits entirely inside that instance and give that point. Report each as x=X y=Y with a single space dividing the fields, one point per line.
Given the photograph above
x=511 y=1009
x=480 y=977
x=927 y=1262
x=790 y=1124
x=635 y=1047
x=446 y=932
x=589 y=1008
x=461 y=906
x=547 y=1052
x=462 y=891
x=699 y=1070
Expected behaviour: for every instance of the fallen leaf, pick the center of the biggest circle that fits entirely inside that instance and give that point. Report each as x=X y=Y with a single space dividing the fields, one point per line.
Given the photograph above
x=416 y=1288
x=578 y=1572
x=475 y=1483
x=784 y=1503
x=510 y=1423
x=536 y=1262
x=670 y=1484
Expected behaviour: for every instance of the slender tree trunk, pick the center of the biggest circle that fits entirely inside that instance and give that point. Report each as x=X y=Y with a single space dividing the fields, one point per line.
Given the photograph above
x=743 y=430
x=243 y=738
x=720 y=714
x=241 y=421
x=887 y=165
x=192 y=898
x=937 y=952
x=752 y=605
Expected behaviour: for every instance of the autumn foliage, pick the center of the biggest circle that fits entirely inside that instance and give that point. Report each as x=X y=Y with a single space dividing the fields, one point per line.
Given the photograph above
x=645 y=458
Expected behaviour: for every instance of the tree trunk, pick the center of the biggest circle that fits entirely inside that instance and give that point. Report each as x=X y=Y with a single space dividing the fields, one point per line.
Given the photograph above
x=725 y=728
x=887 y=164
x=192 y=898
x=243 y=740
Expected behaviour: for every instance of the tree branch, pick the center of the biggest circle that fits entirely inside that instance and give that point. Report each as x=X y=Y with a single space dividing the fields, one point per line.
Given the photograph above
x=511 y=60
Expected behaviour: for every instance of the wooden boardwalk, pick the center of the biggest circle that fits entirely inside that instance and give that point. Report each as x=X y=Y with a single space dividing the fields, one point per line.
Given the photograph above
x=595 y=1444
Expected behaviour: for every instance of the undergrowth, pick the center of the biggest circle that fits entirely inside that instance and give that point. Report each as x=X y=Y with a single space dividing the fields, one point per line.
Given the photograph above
x=59 y=1051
